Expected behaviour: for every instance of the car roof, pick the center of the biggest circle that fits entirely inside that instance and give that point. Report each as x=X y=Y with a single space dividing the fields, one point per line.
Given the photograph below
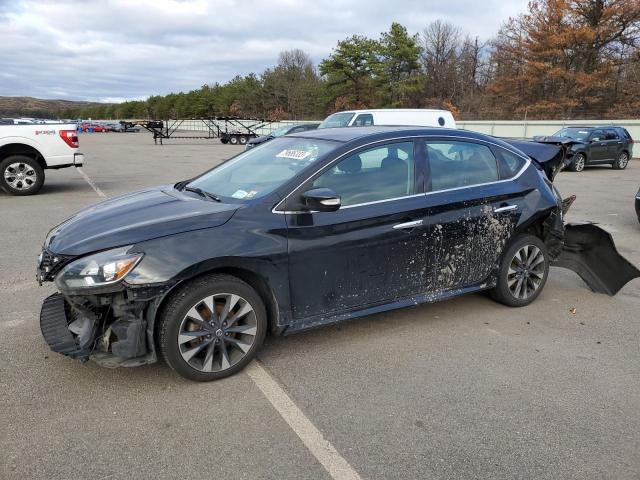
x=347 y=134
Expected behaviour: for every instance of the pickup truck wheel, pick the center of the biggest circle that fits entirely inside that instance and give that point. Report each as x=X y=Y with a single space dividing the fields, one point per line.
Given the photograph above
x=622 y=161
x=21 y=175
x=578 y=163
x=523 y=272
x=212 y=327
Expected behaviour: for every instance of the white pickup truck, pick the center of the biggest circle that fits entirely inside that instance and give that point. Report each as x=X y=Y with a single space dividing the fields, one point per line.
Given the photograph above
x=26 y=151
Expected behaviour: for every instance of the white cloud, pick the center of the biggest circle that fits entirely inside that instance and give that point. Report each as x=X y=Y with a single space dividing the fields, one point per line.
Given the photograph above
x=122 y=49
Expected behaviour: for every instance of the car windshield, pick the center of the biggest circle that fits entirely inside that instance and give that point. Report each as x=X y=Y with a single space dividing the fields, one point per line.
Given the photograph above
x=280 y=131
x=257 y=172
x=573 y=133
x=337 y=120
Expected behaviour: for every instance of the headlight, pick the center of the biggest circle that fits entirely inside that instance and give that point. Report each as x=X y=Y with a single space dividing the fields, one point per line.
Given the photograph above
x=103 y=268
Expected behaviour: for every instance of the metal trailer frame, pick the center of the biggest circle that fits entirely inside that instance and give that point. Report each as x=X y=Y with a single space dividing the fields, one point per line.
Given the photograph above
x=232 y=130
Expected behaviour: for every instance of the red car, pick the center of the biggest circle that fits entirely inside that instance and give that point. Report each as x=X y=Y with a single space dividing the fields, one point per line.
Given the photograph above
x=96 y=128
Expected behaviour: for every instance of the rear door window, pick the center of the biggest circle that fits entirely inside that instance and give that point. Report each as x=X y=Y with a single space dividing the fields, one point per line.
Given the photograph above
x=509 y=164
x=610 y=135
x=456 y=164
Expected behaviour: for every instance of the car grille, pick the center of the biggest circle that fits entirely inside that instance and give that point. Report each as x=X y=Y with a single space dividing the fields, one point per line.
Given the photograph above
x=51 y=264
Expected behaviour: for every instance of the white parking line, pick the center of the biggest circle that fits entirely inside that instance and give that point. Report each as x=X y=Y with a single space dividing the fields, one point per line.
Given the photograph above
x=90 y=182
x=324 y=452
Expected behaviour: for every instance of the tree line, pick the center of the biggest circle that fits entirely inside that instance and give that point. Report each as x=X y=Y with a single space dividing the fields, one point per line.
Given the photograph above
x=560 y=59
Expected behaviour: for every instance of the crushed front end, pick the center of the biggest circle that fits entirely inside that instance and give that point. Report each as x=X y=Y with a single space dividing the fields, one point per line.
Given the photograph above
x=110 y=323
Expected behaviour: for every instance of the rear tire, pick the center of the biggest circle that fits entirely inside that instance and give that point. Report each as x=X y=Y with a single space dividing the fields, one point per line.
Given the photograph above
x=621 y=162
x=233 y=140
x=21 y=175
x=523 y=272
x=243 y=140
x=220 y=318
x=578 y=163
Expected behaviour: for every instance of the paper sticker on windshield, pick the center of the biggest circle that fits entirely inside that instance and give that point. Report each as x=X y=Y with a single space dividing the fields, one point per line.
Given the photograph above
x=239 y=194
x=294 y=154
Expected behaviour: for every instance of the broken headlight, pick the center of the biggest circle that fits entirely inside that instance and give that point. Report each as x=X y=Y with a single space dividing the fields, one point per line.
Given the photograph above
x=100 y=269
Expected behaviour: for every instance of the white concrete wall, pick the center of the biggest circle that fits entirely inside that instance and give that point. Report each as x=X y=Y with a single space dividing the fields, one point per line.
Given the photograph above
x=521 y=129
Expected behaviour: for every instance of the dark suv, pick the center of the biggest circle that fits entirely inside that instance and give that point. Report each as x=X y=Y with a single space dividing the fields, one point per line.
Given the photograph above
x=598 y=145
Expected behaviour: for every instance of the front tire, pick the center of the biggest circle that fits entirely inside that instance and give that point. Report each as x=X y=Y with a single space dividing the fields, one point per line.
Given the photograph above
x=523 y=272
x=578 y=163
x=621 y=162
x=212 y=327
x=21 y=175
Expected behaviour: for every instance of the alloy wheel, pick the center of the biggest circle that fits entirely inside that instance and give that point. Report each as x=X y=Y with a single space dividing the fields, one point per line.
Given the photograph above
x=579 y=163
x=623 y=160
x=20 y=176
x=526 y=272
x=217 y=332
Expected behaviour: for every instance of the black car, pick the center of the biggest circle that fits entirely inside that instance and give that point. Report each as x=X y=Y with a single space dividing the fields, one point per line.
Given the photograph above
x=279 y=132
x=308 y=230
x=597 y=146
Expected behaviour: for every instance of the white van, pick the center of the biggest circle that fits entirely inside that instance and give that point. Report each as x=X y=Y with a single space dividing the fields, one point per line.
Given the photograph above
x=421 y=117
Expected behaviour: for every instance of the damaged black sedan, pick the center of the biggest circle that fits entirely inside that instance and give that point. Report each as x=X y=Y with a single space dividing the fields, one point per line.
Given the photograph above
x=308 y=230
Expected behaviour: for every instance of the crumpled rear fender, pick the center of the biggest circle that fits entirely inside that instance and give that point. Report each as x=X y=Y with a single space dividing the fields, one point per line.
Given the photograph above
x=589 y=251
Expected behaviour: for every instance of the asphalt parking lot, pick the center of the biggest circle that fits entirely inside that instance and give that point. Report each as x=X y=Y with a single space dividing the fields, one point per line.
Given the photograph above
x=465 y=388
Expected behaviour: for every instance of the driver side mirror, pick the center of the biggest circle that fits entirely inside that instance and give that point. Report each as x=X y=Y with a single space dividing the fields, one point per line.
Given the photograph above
x=321 y=200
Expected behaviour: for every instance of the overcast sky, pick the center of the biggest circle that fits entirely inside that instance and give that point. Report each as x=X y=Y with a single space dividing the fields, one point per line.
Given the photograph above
x=112 y=50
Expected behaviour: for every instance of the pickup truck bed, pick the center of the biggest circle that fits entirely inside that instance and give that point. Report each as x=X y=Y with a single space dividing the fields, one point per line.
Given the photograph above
x=26 y=151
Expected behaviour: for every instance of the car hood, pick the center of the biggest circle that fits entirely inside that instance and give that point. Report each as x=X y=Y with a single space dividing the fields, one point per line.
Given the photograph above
x=136 y=217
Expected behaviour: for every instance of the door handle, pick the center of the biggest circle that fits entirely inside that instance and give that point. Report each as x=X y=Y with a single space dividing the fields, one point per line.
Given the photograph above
x=507 y=208
x=407 y=225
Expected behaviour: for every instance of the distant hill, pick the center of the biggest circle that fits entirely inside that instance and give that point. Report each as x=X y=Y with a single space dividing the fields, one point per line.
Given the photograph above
x=41 y=108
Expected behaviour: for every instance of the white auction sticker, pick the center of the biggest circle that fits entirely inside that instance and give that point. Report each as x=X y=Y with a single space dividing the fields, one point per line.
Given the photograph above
x=294 y=154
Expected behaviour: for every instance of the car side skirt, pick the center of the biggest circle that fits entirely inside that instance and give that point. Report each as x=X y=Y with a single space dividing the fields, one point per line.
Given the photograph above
x=411 y=301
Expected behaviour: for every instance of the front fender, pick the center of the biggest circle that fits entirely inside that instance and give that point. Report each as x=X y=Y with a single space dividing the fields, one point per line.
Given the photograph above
x=590 y=251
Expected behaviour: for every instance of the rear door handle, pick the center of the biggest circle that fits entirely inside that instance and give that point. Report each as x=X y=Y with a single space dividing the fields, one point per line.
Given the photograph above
x=407 y=225
x=507 y=208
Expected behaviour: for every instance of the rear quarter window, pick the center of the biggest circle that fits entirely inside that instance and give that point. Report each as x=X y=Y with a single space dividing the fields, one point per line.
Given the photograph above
x=509 y=164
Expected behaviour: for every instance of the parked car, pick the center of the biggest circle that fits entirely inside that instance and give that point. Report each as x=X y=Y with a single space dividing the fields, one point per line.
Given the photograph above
x=93 y=127
x=125 y=127
x=280 y=131
x=596 y=146
x=310 y=229
x=26 y=151
x=390 y=116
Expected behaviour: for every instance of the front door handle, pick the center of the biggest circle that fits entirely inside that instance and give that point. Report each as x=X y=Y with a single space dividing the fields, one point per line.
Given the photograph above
x=507 y=208
x=407 y=225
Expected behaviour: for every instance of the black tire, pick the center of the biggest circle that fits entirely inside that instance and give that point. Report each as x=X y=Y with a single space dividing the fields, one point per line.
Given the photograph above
x=503 y=292
x=233 y=140
x=224 y=141
x=30 y=168
x=243 y=140
x=174 y=316
x=621 y=162
x=578 y=163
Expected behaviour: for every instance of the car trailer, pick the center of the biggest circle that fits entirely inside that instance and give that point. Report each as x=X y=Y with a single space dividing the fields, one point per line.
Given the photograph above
x=233 y=130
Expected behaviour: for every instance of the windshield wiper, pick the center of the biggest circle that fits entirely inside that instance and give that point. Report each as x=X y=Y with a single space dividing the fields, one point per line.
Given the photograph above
x=202 y=193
